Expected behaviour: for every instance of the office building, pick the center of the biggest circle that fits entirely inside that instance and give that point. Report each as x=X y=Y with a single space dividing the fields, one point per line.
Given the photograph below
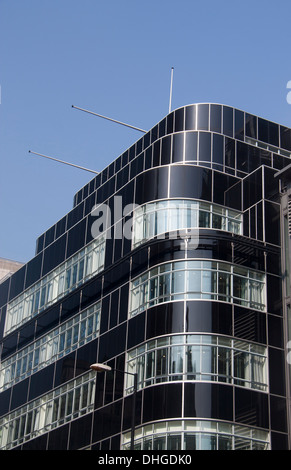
x=174 y=264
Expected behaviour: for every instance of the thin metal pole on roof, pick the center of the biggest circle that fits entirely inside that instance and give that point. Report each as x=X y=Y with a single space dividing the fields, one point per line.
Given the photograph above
x=171 y=90
x=110 y=119
x=66 y=163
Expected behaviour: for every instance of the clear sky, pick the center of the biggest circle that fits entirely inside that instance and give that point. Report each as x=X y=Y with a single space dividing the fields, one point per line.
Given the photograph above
x=115 y=57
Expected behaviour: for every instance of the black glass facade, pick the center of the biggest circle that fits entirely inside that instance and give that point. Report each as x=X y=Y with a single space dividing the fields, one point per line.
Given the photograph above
x=203 y=322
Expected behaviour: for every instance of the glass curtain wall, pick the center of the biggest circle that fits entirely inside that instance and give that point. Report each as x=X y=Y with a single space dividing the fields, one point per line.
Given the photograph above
x=160 y=217
x=198 y=279
x=198 y=358
x=66 y=278
x=197 y=435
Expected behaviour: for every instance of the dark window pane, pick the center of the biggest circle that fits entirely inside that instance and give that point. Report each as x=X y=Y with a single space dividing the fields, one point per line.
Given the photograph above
x=280 y=162
x=278 y=414
x=132 y=153
x=110 y=173
x=203 y=117
x=253 y=222
x=124 y=159
x=277 y=374
x=132 y=169
x=170 y=119
x=242 y=157
x=148 y=158
x=265 y=157
x=229 y=152
x=33 y=271
x=139 y=146
x=191 y=146
x=103 y=177
x=152 y=185
x=179 y=120
x=228 y=121
x=50 y=236
x=208 y=400
x=239 y=125
x=273 y=134
x=190 y=118
x=225 y=191
x=252 y=189
x=271 y=184
x=204 y=147
x=85 y=191
x=92 y=182
x=162 y=128
x=274 y=295
x=217 y=153
x=54 y=254
x=117 y=165
x=40 y=243
x=156 y=153
x=139 y=163
x=285 y=135
x=17 y=282
x=61 y=227
x=98 y=177
x=178 y=146
x=79 y=196
x=251 y=126
x=146 y=140
x=257 y=405
x=154 y=133
x=272 y=216
x=215 y=118
x=76 y=238
x=246 y=222
x=260 y=221
x=233 y=195
x=190 y=181
x=268 y=132
x=166 y=150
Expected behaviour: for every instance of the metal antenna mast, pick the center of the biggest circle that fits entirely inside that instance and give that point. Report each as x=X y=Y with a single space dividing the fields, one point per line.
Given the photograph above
x=110 y=119
x=66 y=163
x=171 y=90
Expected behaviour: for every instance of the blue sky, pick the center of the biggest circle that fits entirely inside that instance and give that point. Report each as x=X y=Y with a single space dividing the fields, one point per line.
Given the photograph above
x=115 y=58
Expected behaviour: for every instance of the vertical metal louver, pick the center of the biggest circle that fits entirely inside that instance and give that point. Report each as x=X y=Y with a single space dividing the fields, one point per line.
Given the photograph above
x=289 y=217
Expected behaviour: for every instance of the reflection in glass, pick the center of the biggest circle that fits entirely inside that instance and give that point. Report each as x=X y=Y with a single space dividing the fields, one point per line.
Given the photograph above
x=196 y=434
x=251 y=126
x=60 y=341
x=190 y=118
x=220 y=281
x=49 y=411
x=202 y=117
x=199 y=358
x=160 y=217
x=66 y=278
x=268 y=132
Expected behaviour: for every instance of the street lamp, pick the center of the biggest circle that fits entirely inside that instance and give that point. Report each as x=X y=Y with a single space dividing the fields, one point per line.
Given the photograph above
x=98 y=367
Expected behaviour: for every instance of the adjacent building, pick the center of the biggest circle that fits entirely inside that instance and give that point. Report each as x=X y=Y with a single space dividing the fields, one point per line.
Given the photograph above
x=8 y=267
x=173 y=264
